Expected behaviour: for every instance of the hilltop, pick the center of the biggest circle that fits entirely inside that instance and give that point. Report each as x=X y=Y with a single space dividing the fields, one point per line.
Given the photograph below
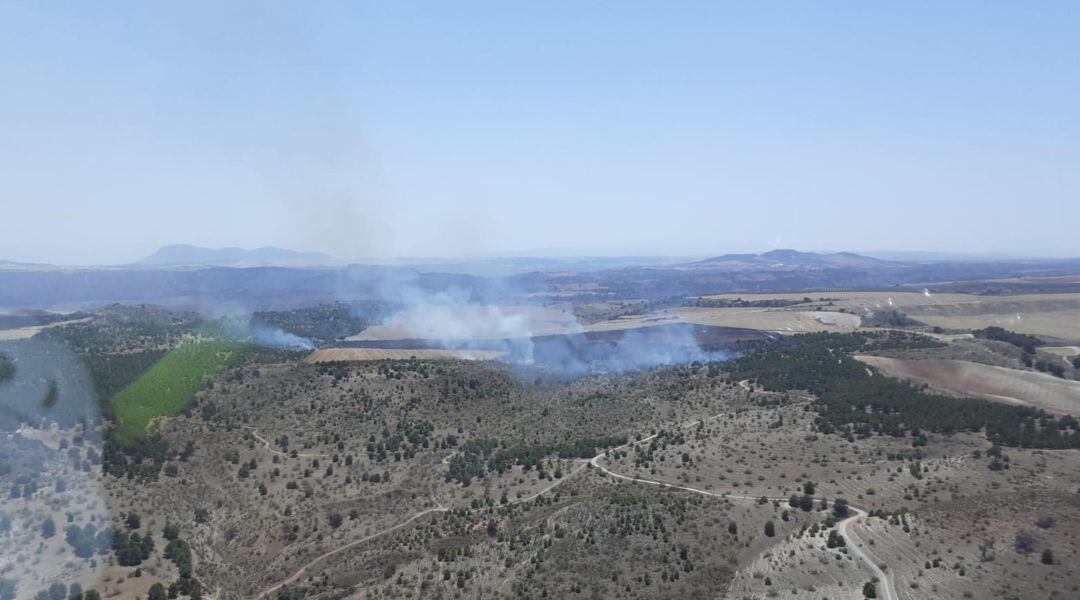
x=184 y=255
x=793 y=259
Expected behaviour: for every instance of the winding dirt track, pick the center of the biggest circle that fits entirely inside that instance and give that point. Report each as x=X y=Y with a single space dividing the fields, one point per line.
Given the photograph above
x=340 y=549
x=844 y=526
x=887 y=591
x=439 y=509
x=268 y=446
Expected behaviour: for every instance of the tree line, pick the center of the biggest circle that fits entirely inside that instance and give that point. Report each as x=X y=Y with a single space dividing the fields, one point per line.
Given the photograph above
x=854 y=401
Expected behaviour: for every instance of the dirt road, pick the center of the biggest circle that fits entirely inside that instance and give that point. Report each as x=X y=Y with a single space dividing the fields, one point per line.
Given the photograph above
x=299 y=573
x=886 y=591
x=268 y=446
x=325 y=555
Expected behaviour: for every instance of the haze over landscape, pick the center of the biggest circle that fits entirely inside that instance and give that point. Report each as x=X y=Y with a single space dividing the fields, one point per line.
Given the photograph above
x=443 y=301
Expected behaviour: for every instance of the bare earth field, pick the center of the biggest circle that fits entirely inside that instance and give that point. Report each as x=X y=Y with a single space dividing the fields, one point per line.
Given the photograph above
x=1054 y=315
x=471 y=321
x=1066 y=351
x=765 y=319
x=783 y=321
x=861 y=300
x=963 y=378
x=1058 y=324
x=22 y=333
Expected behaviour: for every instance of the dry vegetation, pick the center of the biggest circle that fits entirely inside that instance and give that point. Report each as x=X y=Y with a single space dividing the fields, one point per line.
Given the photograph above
x=265 y=520
x=350 y=474
x=564 y=528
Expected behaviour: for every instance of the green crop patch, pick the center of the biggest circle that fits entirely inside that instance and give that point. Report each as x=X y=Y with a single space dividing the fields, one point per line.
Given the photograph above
x=169 y=385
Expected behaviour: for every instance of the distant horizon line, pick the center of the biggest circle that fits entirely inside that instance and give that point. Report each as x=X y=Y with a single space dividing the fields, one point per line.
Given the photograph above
x=561 y=254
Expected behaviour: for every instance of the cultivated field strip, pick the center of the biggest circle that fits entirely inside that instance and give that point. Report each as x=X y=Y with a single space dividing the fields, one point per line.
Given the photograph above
x=1000 y=384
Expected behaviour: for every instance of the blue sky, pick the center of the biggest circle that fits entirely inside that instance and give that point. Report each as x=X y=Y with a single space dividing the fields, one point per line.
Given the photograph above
x=463 y=128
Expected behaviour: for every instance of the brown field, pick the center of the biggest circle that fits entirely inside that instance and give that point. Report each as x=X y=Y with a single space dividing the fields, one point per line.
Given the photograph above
x=1060 y=324
x=1054 y=315
x=472 y=321
x=779 y=320
x=963 y=378
x=765 y=319
x=1066 y=351
x=22 y=333
x=636 y=321
x=855 y=300
x=369 y=354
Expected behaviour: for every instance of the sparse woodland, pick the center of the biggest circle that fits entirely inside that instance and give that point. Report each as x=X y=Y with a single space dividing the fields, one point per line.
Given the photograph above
x=454 y=479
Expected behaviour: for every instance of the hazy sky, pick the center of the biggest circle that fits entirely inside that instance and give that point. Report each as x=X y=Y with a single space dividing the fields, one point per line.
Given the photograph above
x=405 y=128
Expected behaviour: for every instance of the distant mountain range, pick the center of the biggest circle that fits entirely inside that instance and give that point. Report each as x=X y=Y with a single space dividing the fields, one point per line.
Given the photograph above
x=183 y=255
x=790 y=259
x=191 y=276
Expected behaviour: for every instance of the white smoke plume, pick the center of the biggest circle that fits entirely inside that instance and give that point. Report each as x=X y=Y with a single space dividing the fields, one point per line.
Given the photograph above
x=501 y=314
